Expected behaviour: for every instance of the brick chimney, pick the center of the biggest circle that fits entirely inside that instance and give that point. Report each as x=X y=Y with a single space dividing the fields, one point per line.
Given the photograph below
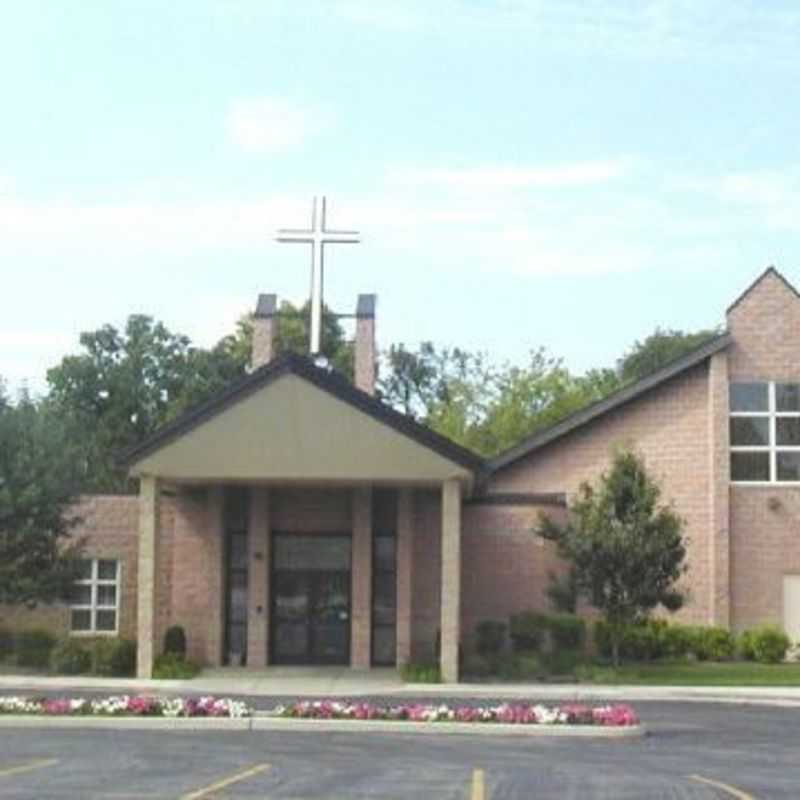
x=265 y=331
x=365 y=343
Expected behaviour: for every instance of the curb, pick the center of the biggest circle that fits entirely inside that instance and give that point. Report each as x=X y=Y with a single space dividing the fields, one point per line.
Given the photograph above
x=446 y=728
x=285 y=725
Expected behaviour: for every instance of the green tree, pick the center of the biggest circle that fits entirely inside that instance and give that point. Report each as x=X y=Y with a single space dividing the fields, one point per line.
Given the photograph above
x=125 y=384
x=659 y=348
x=293 y=336
x=625 y=548
x=38 y=485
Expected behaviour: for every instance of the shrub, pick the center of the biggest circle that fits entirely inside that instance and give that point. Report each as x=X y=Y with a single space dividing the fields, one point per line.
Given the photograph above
x=479 y=666
x=175 y=641
x=528 y=630
x=521 y=667
x=6 y=643
x=421 y=673
x=114 y=657
x=713 y=644
x=767 y=644
x=70 y=657
x=562 y=662
x=170 y=666
x=34 y=647
x=490 y=637
x=123 y=658
x=567 y=632
x=677 y=640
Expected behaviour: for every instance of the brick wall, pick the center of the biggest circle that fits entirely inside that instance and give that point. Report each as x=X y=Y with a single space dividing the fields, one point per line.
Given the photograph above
x=765 y=520
x=505 y=566
x=109 y=528
x=669 y=426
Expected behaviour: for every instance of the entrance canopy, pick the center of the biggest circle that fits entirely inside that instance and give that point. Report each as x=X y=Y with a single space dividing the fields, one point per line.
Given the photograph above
x=294 y=421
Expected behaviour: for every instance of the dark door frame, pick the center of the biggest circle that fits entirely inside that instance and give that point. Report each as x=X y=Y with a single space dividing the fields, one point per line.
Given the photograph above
x=308 y=660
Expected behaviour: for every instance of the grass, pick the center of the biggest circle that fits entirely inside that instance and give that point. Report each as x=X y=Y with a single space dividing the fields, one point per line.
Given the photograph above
x=698 y=673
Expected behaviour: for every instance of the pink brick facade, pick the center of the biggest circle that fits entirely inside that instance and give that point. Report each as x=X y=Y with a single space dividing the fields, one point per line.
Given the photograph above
x=742 y=538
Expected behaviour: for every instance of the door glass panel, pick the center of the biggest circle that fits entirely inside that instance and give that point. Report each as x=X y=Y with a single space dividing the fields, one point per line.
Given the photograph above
x=384 y=599
x=383 y=645
x=331 y=618
x=323 y=553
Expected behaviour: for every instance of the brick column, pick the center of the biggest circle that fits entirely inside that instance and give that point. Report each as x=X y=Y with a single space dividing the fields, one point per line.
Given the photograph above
x=365 y=356
x=451 y=580
x=405 y=542
x=361 y=600
x=147 y=576
x=258 y=578
x=265 y=331
x=719 y=577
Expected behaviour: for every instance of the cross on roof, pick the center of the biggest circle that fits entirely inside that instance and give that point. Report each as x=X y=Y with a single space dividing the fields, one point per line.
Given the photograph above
x=317 y=236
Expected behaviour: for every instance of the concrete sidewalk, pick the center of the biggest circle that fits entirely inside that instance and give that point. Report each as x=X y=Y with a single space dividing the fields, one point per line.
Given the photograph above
x=344 y=682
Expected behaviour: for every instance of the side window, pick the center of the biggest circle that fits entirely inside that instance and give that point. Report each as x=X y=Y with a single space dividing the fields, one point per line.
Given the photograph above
x=94 y=603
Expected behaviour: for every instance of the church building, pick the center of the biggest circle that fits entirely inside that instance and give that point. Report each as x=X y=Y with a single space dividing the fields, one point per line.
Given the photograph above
x=295 y=518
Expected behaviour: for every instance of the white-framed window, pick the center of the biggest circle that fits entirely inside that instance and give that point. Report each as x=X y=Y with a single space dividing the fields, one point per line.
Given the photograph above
x=94 y=602
x=765 y=432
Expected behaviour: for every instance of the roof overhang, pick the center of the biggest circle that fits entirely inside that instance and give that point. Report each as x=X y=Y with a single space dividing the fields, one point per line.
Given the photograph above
x=294 y=422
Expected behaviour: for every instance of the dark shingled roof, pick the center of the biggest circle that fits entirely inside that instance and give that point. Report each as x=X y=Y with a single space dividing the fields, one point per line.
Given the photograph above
x=619 y=398
x=325 y=379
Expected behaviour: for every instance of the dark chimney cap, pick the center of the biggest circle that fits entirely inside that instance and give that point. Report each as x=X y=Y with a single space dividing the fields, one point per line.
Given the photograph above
x=366 y=306
x=266 y=306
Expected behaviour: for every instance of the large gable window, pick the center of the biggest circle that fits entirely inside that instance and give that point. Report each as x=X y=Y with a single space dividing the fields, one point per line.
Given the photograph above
x=765 y=432
x=94 y=604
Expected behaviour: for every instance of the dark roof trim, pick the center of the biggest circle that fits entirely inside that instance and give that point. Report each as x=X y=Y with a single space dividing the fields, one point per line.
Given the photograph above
x=615 y=400
x=519 y=499
x=768 y=271
x=325 y=379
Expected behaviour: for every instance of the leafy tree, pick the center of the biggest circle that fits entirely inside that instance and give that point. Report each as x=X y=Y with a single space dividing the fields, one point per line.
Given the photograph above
x=128 y=383
x=659 y=348
x=38 y=485
x=293 y=336
x=626 y=550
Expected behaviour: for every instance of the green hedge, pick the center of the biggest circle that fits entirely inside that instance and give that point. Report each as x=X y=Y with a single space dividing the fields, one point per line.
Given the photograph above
x=70 y=657
x=6 y=644
x=33 y=648
x=532 y=631
x=767 y=644
x=170 y=666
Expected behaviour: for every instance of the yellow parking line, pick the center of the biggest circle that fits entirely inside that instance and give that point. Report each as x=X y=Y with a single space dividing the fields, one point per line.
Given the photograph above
x=38 y=764
x=724 y=787
x=478 y=785
x=205 y=791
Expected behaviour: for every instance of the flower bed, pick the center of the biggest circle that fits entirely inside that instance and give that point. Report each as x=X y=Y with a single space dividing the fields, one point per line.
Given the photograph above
x=515 y=714
x=126 y=706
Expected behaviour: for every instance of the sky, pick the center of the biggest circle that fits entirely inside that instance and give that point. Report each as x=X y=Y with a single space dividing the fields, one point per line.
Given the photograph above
x=559 y=173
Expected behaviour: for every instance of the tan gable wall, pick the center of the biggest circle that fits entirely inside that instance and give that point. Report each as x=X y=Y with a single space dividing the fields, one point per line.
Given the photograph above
x=765 y=521
x=292 y=430
x=669 y=426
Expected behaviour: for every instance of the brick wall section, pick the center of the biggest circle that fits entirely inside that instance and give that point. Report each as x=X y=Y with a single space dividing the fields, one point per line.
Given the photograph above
x=765 y=521
x=427 y=572
x=505 y=565
x=109 y=528
x=311 y=510
x=669 y=427
x=195 y=574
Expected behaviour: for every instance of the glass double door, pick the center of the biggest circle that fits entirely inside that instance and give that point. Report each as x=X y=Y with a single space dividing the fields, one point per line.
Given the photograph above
x=311 y=600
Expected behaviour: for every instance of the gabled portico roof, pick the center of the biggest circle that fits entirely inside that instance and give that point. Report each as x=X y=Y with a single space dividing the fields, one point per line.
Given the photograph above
x=295 y=421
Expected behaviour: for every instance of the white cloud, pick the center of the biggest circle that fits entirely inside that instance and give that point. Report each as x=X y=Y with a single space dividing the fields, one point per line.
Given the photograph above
x=271 y=125
x=580 y=173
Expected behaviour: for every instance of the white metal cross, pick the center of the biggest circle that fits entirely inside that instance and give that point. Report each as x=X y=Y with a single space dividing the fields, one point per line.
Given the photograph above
x=317 y=236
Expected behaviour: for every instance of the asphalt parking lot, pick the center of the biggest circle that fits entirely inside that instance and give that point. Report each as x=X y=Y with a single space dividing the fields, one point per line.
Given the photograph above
x=697 y=751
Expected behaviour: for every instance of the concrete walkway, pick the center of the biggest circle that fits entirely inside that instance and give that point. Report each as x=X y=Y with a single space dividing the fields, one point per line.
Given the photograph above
x=345 y=682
